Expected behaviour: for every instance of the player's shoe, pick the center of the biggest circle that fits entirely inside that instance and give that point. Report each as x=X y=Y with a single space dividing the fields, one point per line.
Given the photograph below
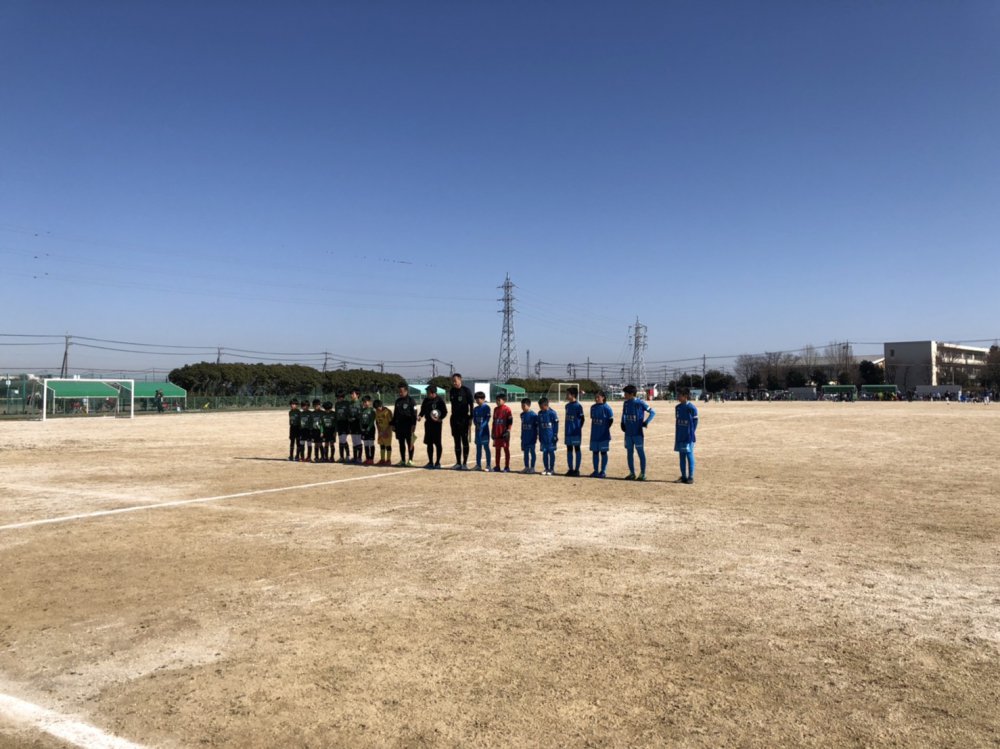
x=689 y=480
x=602 y=475
x=630 y=477
x=457 y=467
x=595 y=474
x=506 y=469
x=641 y=477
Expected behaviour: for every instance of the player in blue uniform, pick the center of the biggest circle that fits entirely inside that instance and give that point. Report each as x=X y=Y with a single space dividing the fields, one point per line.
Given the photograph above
x=529 y=435
x=601 y=419
x=548 y=436
x=634 y=421
x=573 y=431
x=481 y=427
x=684 y=434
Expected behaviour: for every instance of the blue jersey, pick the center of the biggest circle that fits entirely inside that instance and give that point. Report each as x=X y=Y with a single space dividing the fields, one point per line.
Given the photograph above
x=601 y=419
x=574 y=423
x=529 y=429
x=687 y=424
x=548 y=429
x=634 y=415
x=481 y=423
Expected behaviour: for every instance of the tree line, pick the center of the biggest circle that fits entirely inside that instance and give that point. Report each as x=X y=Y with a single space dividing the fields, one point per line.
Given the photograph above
x=210 y=379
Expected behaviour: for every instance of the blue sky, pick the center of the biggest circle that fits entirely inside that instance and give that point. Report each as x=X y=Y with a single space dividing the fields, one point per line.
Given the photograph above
x=358 y=177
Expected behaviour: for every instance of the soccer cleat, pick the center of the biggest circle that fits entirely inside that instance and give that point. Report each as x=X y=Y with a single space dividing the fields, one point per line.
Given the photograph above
x=437 y=466
x=595 y=474
x=689 y=480
x=457 y=467
x=681 y=480
x=429 y=466
x=630 y=477
x=602 y=475
x=641 y=477
x=506 y=469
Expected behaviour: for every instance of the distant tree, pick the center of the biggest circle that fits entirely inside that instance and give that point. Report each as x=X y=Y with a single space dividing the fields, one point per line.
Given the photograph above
x=754 y=381
x=716 y=381
x=795 y=378
x=773 y=381
x=870 y=373
x=844 y=378
x=819 y=377
x=991 y=372
x=442 y=382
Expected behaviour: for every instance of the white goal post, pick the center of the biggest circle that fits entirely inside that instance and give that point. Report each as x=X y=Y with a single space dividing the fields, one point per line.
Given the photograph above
x=558 y=390
x=88 y=397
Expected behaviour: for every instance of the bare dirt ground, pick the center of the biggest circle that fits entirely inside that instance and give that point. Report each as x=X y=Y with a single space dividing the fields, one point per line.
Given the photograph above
x=832 y=579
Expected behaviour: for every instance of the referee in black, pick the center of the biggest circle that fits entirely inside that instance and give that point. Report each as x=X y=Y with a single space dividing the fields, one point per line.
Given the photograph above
x=461 y=419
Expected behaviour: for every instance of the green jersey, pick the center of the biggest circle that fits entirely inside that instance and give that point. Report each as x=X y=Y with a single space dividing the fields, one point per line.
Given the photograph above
x=340 y=409
x=366 y=420
x=328 y=423
x=354 y=417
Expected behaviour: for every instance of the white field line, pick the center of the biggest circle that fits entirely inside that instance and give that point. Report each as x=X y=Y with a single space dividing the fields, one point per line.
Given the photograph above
x=28 y=715
x=200 y=500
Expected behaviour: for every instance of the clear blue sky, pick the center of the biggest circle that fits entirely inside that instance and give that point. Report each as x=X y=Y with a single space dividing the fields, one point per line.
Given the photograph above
x=358 y=177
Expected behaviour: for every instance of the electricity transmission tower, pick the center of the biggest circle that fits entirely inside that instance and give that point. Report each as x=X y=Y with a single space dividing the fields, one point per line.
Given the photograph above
x=507 y=366
x=637 y=373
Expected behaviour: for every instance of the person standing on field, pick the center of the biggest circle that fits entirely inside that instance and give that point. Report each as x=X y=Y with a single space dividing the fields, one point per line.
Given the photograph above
x=404 y=423
x=462 y=406
x=432 y=412
x=684 y=434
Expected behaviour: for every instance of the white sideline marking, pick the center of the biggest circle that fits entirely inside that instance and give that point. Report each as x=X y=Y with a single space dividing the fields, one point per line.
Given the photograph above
x=181 y=502
x=23 y=713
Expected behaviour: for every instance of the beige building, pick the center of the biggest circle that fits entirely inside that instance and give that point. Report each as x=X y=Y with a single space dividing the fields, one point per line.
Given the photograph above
x=909 y=364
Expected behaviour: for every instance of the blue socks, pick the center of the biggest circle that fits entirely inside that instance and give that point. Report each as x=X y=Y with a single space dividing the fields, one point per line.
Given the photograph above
x=687 y=464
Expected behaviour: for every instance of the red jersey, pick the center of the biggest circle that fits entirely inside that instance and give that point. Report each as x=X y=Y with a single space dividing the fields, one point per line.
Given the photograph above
x=502 y=421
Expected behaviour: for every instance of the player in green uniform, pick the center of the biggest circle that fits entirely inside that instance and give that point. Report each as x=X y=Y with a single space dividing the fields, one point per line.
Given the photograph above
x=354 y=423
x=340 y=409
x=305 y=433
x=329 y=426
x=367 y=421
x=294 y=419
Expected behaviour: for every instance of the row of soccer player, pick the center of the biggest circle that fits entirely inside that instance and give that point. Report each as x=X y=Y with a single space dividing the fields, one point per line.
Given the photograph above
x=357 y=424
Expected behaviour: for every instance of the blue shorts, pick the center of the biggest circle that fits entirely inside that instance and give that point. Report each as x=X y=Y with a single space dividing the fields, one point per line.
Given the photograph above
x=683 y=447
x=634 y=440
x=600 y=447
x=573 y=439
x=528 y=445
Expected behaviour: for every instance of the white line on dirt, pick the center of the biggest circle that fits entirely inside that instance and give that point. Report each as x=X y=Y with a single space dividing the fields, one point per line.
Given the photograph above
x=182 y=502
x=29 y=715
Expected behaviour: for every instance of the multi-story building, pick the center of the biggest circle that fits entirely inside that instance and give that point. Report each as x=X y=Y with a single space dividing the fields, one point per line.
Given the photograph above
x=910 y=364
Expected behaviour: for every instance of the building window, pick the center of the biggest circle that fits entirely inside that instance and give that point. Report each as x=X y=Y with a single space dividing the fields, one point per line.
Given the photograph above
x=892 y=353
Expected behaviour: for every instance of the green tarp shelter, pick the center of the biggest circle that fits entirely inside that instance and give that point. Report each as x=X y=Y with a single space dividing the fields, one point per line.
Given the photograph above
x=511 y=391
x=148 y=389
x=81 y=389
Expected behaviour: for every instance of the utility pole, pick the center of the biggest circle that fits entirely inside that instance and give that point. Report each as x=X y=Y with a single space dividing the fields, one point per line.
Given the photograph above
x=434 y=368
x=326 y=359
x=381 y=367
x=64 y=370
x=507 y=366
x=527 y=363
x=588 y=367
x=218 y=355
x=703 y=372
x=638 y=371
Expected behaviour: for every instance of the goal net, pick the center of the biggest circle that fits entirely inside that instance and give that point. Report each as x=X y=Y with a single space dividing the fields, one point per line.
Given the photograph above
x=557 y=390
x=88 y=397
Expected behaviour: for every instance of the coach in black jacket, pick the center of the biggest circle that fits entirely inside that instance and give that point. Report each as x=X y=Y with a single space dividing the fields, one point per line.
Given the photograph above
x=461 y=419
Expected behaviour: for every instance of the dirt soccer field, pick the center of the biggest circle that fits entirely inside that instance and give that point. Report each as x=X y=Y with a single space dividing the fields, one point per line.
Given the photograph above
x=832 y=579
